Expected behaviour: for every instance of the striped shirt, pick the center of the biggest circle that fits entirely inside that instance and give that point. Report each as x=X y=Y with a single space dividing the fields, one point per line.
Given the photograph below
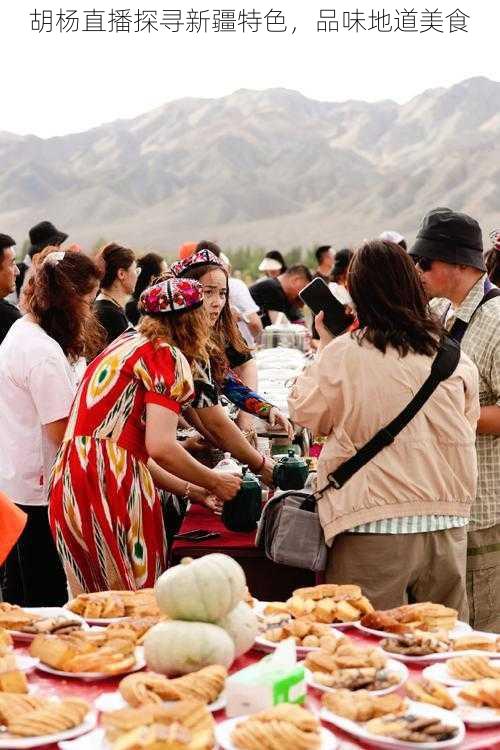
x=411 y=525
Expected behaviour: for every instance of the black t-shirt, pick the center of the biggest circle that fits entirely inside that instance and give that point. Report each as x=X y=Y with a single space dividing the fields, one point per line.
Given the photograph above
x=268 y=294
x=132 y=311
x=112 y=317
x=8 y=315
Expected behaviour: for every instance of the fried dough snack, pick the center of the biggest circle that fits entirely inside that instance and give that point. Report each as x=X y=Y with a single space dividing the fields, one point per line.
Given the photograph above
x=149 y=688
x=362 y=706
x=284 y=726
x=411 y=728
x=85 y=651
x=424 y=616
x=110 y=604
x=13 y=705
x=156 y=736
x=304 y=633
x=471 y=668
x=6 y=642
x=483 y=693
x=13 y=617
x=474 y=642
x=134 y=628
x=49 y=719
x=346 y=656
x=429 y=691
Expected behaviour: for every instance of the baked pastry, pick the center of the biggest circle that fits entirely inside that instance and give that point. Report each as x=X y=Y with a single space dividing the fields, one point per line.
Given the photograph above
x=191 y=715
x=362 y=706
x=472 y=668
x=13 y=705
x=85 y=651
x=429 y=691
x=13 y=617
x=425 y=616
x=412 y=728
x=307 y=634
x=156 y=737
x=134 y=628
x=284 y=726
x=379 y=620
x=329 y=591
x=417 y=644
x=12 y=680
x=146 y=688
x=49 y=719
x=474 y=642
x=205 y=685
x=6 y=642
x=483 y=693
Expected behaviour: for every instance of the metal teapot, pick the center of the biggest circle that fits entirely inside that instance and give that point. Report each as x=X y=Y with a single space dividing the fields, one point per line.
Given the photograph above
x=290 y=472
x=243 y=511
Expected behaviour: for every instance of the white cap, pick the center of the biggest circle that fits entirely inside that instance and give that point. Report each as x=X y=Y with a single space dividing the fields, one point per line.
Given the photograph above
x=269 y=264
x=391 y=236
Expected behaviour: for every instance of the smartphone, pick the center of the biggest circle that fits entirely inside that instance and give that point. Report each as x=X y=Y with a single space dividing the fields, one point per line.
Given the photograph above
x=319 y=298
x=198 y=535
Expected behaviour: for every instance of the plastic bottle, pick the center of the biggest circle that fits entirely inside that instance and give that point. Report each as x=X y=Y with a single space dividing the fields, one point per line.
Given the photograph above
x=228 y=465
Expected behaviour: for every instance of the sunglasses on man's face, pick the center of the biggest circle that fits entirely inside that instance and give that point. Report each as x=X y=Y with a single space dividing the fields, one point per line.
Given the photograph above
x=425 y=264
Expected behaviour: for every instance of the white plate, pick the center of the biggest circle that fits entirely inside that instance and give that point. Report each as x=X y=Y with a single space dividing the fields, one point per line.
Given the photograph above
x=115 y=701
x=26 y=663
x=440 y=673
x=98 y=620
x=46 y=612
x=259 y=608
x=391 y=666
x=459 y=629
x=140 y=663
x=444 y=655
x=23 y=743
x=224 y=729
x=419 y=709
x=474 y=716
x=95 y=740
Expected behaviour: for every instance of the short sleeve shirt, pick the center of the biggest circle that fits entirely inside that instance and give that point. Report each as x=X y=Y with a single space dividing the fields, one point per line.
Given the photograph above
x=8 y=315
x=37 y=387
x=112 y=318
x=268 y=294
x=241 y=299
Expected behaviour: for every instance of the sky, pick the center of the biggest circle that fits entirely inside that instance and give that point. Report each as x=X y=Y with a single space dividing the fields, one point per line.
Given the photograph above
x=59 y=82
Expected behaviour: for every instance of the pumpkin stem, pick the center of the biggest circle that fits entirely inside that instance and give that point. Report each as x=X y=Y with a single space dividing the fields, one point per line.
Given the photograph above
x=186 y=560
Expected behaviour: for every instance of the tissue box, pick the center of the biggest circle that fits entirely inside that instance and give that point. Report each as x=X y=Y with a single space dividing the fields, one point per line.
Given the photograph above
x=264 y=685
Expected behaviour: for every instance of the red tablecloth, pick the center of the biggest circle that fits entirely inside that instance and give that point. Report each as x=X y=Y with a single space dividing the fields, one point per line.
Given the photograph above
x=476 y=739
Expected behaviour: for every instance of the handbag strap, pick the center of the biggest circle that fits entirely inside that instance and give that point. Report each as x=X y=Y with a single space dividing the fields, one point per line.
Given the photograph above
x=443 y=365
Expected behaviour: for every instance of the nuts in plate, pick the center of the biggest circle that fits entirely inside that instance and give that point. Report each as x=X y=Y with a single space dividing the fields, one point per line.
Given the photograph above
x=362 y=706
x=349 y=666
x=49 y=719
x=12 y=680
x=284 y=725
x=483 y=693
x=412 y=728
x=472 y=667
x=149 y=688
x=307 y=634
x=417 y=644
x=328 y=603
x=429 y=691
x=85 y=651
x=125 y=728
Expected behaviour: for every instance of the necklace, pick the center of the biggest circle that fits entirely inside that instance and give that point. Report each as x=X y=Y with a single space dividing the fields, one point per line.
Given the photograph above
x=112 y=299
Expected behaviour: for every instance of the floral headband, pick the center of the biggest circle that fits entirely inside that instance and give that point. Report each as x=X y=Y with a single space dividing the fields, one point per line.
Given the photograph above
x=495 y=239
x=201 y=258
x=171 y=296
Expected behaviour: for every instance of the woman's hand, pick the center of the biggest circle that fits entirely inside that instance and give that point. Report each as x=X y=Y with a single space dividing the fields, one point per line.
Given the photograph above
x=195 y=444
x=266 y=473
x=278 y=420
x=202 y=496
x=225 y=486
x=324 y=334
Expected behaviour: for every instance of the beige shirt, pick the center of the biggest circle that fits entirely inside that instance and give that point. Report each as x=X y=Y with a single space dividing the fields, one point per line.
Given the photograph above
x=352 y=391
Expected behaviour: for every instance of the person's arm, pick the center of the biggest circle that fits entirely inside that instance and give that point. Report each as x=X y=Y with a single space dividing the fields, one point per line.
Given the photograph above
x=252 y=403
x=489 y=420
x=162 y=447
x=55 y=431
x=229 y=437
x=247 y=373
x=254 y=323
x=171 y=483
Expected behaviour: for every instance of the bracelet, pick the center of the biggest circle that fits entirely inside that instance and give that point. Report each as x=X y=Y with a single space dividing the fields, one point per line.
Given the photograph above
x=187 y=492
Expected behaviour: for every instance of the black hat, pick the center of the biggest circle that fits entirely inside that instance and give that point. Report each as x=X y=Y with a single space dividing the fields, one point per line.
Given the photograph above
x=451 y=237
x=44 y=234
x=6 y=241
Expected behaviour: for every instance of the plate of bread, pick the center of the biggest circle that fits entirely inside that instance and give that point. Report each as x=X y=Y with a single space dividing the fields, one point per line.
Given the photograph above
x=308 y=636
x=105 y=607
x=478 y=704
x=286 y=725
x=426 y=648
x=329 y=603
x=460 y=671
x=25 y=624
x=87 y=655
x=344 y=664
x=392 y=721
x=149 y=688
x=32 y=721
x=424 y=617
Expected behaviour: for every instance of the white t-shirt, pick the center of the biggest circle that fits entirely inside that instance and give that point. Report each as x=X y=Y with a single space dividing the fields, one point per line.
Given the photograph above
x=37 y=386
x=241 y=299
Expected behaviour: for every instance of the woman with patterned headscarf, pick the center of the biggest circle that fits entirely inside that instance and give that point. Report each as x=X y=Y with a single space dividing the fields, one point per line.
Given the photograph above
x=120 y=444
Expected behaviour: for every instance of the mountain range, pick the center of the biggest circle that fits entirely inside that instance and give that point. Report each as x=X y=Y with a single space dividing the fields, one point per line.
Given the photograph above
x=270 y=168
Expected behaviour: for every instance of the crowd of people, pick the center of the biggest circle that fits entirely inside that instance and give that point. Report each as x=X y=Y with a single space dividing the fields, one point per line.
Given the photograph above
x=115 y=369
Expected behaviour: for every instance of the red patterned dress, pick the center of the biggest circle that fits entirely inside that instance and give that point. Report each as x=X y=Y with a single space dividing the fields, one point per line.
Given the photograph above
x=104 y=510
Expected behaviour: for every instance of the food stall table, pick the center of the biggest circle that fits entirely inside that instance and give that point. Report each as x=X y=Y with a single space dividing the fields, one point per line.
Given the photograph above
x=476 y=739
x=266 y=580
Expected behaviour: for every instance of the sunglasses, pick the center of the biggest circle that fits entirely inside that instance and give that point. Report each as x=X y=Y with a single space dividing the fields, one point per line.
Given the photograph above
x=425 y=264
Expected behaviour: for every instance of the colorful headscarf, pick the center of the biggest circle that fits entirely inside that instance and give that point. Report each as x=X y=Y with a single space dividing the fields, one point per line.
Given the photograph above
x=201 y=258
x=171 y=296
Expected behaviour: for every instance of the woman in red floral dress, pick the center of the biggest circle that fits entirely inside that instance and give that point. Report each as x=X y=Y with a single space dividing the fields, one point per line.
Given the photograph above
x=105 y=514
